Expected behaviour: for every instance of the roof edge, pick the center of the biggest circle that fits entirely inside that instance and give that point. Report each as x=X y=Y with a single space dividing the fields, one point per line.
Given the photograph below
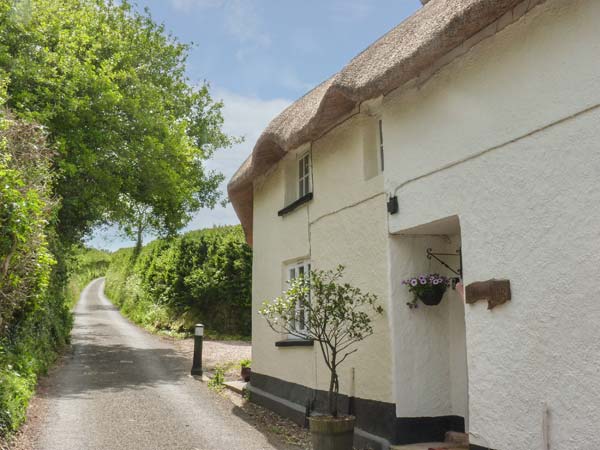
x=396 y=58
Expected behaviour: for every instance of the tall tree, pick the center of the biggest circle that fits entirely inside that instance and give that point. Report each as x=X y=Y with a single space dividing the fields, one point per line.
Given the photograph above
x=130 y=130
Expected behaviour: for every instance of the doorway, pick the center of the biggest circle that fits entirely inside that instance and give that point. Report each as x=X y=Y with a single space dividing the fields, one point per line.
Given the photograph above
x=430 y=351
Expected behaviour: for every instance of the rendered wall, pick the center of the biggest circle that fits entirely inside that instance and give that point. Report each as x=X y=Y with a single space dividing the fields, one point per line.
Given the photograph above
x=510 y=136
x=429 y=341
x=344 y=224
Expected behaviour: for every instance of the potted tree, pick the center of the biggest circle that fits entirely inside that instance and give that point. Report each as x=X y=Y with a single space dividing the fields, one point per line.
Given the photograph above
x=337 y=316
x=429 y=288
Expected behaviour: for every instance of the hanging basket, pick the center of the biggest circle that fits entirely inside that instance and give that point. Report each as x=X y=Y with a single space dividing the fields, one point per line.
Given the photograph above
x=432 y=296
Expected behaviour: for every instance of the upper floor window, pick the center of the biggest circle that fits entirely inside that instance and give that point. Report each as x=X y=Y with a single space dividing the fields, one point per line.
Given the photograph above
x=372 y=148
x=298 y=182
x=381 y=160
x=304 y=175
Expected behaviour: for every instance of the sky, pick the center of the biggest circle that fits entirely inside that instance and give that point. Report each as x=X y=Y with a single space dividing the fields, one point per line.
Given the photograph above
x=259 y=56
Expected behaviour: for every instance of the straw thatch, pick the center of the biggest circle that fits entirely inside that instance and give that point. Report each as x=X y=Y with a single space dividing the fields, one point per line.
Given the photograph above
x=402 y=54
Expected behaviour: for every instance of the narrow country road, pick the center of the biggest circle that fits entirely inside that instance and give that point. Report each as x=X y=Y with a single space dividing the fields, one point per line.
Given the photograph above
x=125 y=389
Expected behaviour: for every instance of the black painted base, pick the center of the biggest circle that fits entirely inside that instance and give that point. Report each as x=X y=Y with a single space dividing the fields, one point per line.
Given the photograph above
x=478 y=447
x=376 y=421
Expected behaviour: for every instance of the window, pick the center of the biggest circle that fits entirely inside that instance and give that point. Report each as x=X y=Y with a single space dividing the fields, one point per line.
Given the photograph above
x=298 y=181
x=372 y=135
x=304 y=175
x=381 y=145
x=294 y=271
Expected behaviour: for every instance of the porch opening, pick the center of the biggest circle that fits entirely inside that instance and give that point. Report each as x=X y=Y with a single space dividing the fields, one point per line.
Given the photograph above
x=430 y=352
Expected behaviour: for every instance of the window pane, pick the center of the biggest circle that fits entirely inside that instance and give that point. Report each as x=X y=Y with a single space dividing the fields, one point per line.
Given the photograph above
x=292 y=273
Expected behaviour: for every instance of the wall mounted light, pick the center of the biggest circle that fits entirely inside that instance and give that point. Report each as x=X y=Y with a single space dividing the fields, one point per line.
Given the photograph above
x=392 y=205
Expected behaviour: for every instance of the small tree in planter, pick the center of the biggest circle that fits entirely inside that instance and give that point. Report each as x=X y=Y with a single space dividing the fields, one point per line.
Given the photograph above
x=337 y=316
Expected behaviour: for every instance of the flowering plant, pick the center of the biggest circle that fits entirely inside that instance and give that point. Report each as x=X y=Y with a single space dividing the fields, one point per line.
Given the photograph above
x=426 y=286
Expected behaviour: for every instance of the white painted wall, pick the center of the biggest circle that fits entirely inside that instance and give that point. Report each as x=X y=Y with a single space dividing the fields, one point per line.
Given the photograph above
x=345 y=224
x=429 y=342
x=527 y=101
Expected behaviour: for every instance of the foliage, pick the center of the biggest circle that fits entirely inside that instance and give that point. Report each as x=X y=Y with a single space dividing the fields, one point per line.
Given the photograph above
x=217 y=382
x=131 y=132
x=203 y=276
x=424 y=283
x=34 y=323
x=25 y=210
x=245 y=363
x=335 y=314
x=86 y=265
x=105 y=128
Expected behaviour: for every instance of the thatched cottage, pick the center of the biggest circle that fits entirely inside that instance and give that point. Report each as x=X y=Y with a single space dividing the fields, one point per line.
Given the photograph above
x=466 y=141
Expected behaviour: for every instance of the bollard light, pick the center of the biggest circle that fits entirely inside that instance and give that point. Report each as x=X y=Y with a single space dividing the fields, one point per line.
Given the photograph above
x=197 y=363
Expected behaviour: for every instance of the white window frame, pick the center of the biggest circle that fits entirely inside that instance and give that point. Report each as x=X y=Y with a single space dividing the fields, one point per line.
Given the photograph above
x=380 y=139
x=303 y=180
x=293 y=271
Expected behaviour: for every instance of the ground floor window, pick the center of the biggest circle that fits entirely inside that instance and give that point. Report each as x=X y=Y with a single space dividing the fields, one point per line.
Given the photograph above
x=298 y=269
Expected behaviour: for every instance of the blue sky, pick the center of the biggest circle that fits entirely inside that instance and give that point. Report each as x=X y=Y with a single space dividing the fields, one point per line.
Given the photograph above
x=261 y=55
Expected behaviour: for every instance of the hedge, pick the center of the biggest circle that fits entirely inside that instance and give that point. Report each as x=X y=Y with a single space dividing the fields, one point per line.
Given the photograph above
x=203 y=276
x=34 y=321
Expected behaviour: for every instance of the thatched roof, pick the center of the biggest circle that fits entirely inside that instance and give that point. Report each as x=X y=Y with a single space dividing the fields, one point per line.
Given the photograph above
x=402 y=54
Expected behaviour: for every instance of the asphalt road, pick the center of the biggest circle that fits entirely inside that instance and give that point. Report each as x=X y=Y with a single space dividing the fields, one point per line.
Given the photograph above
x=122 y=388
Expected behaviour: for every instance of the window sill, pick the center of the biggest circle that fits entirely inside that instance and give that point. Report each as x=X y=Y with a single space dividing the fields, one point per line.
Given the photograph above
x=295 y=343
x=292 y=206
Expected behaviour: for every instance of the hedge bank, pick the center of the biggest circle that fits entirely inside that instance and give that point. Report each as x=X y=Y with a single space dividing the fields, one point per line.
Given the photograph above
x=203 y=276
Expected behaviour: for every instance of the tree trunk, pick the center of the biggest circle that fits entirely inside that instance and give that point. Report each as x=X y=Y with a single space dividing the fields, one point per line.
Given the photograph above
x=334 y=387
x=139 y=242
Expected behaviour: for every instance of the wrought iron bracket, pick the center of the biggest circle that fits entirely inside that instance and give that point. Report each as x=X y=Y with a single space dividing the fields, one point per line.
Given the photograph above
x=458 y=272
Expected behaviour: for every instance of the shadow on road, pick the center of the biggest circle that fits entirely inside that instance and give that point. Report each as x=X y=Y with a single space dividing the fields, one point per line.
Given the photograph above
x=90 y=366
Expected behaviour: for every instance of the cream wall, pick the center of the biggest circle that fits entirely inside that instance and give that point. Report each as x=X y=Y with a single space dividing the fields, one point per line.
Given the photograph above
x=276 y=240
x=507 y=138
x=345 y=224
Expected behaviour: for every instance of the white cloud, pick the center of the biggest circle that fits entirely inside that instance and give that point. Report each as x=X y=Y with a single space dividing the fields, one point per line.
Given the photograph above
x=241 y=19
x=243 y=22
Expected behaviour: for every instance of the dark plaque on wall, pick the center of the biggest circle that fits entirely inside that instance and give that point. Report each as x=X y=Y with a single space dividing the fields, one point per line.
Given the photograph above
x=495 y=292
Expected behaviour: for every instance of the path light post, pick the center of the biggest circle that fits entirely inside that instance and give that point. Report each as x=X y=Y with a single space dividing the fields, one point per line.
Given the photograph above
x=198 y=336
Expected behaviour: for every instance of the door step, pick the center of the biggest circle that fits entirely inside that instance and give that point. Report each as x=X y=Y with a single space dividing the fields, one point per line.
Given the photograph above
x=430 y=446
x=454 y=441
x=454 y=437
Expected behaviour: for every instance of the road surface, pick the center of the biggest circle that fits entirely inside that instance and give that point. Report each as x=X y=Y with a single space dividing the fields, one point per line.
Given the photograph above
x=122 y=388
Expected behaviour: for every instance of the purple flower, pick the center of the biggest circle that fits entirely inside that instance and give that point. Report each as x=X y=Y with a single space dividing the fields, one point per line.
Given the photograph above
x=414 y=282
x=436 y=282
